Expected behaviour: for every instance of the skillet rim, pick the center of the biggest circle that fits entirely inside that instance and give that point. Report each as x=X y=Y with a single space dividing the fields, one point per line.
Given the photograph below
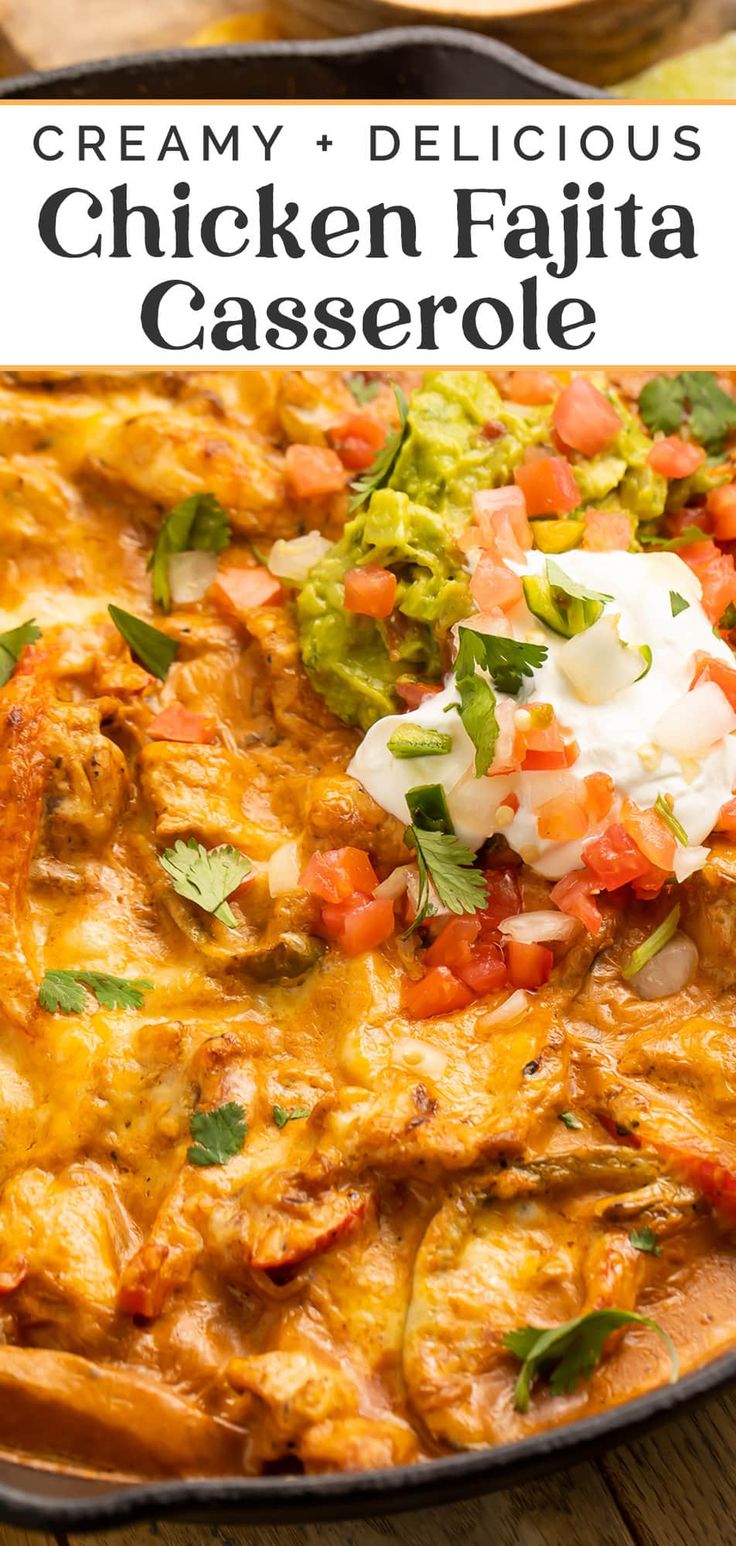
x=276 y=1500
x=552 y=86
x=338 y=1495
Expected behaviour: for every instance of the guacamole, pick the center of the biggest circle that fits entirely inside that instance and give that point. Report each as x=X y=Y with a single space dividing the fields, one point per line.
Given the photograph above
x=620 y=477
x=461 y=437
x=354 y=661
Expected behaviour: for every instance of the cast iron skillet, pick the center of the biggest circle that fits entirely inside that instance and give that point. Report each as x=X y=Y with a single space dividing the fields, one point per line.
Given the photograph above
x=404 y=63
x=413 y=62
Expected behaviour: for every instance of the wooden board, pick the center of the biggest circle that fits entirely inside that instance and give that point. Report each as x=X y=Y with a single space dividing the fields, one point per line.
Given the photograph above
x=45 y=34
x=675 y=1488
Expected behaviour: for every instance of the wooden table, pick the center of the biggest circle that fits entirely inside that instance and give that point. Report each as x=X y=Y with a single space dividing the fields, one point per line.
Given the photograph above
x=676 y=1487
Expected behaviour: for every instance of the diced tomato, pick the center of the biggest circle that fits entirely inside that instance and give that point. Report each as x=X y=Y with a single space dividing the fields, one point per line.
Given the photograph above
x=574 y=895
x=716 y=573
x=675 y=458
x=414 y=693
x=359 y=924
x=721 y=505
x=493 y=585
x=678 y=520
x=698 y=555
x=357 y=440
x=548 y=486
x=549 y=761
x=336 y=875
x=563 y=818
x=709 y=669
x=529 y=966
x=719 y=586
x=237 y=591
x=503 y=899
x=650 y=833
x=727 y=817
x=176 y=723
x=533 y=388
x=370 y=591
x=606 y=531
x=542 y=748
x=453 y=946
x=439 y=992
x=502 y=522
x=584 y=419
x=313 y=472
x=615 y=858
x=486 y=971
x=648 y=886
x=598 y=796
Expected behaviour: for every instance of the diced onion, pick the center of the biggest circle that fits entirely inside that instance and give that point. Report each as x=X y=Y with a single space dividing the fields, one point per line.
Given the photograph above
x=420 y=1056
x=670 y=970
x=395 y=884
x=284 y=870
x=538 y=928
x=191 y=575
x=688 y=860
x=513 y=1008
x=405 y=880
x=695 y=722
x=599 y=664
x=292 y=561
x=541 y=787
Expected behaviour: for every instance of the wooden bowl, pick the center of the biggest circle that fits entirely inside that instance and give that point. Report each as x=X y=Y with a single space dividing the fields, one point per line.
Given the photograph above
x=600 y=41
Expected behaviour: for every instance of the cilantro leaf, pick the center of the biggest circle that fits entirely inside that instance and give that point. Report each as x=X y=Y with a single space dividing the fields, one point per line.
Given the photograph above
x=651 y=946
x=154 y=649
x=567 y=1353
x=11 y=644
x=379 y=472
x=565 y=587
x=664 y=809
x=218 y=1134
x=478 y=714
x=712 y=411
x=198 y=523
x=363 y=389
x=445 y=862
x=570 y=1120
x=206 y=876
x=653 y=539
x=508 y=661
x=662 y=404
x=645 y=1240
x=679 y=604
x=62 y=991
x=666 y=401
x=281 y=1116
x=115 y=992
x=477 y=705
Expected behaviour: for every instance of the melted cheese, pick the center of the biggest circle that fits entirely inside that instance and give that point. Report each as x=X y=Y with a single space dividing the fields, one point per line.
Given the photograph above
x=336 y=1294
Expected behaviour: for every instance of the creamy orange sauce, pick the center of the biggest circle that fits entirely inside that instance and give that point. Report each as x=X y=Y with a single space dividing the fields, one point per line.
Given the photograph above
x=336 y=1295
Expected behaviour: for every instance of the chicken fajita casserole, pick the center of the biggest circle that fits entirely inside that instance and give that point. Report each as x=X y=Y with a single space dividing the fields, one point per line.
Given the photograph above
x=367 y=909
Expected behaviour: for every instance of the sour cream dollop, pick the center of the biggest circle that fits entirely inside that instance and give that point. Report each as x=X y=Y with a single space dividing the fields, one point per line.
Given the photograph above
x=617 y=737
